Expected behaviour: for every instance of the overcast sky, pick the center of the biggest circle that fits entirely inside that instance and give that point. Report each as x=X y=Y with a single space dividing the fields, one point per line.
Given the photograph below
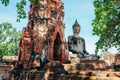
x=82 y=10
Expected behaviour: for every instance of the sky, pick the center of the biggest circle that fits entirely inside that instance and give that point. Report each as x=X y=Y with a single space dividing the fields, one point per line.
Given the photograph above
x=82 y=10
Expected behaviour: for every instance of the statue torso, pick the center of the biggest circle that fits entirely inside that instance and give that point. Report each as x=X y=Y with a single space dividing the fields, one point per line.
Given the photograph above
x=76 y=43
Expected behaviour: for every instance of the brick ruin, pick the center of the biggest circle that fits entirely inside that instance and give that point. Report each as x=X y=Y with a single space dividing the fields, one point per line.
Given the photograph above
x=44 y=35
x=44 y=31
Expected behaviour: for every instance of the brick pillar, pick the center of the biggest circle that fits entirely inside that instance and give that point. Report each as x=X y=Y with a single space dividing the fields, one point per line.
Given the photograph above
x=50 y=50
x=63 y=53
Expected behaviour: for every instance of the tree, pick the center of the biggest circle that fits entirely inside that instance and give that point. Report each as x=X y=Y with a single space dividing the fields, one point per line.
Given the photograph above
x=6 y=31
x=106 y=24
x=9 y=39
x=21 y=14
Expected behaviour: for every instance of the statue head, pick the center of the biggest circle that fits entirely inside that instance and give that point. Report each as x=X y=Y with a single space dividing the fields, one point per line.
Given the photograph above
x=76 y=28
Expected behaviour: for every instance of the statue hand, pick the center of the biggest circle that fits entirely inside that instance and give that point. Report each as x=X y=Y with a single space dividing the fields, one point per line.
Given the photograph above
x=80 y=52
x=86 y=53
x=73 y=51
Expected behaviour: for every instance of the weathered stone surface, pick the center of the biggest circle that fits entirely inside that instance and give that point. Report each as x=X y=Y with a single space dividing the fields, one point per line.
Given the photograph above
x=44 y=31
x=56 y=67
x=74 y=58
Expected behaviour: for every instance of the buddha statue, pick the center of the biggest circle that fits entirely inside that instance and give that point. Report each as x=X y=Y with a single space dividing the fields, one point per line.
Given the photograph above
x=76 y=44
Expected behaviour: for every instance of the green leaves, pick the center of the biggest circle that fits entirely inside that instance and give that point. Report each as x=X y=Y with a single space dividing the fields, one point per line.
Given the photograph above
x=5 y=31
x=5 y=2
x=9 y=39
x=21 y=14
x=106 y=24
x=34 y=2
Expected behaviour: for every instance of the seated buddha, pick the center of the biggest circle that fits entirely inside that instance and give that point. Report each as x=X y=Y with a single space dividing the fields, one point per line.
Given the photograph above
x=76 y=44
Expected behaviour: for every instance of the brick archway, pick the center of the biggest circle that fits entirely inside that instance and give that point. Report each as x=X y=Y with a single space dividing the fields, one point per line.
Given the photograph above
x=57 y=51
x=57 y=40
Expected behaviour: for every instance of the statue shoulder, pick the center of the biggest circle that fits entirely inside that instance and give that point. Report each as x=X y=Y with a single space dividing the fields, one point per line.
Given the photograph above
x=70 y=37
x=82 y=39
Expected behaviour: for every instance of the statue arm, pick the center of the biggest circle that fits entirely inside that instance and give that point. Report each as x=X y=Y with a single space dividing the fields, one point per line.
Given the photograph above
x=70 y=45
x=84 y=47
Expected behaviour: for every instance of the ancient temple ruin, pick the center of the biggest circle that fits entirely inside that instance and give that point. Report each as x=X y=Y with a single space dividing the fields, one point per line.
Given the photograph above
x=44 y=38
x=44 y=31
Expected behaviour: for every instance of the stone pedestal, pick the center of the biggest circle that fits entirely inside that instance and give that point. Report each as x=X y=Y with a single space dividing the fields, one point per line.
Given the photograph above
x=56 y=67
x=74 y=58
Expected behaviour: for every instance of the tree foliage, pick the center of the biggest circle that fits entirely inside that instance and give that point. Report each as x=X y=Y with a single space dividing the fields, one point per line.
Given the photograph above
x=106 y=24
x=20 y=5
x=5 y=31
x=9 y=39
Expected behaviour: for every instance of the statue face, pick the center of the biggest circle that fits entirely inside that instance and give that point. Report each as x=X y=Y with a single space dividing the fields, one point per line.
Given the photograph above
x=76 y=30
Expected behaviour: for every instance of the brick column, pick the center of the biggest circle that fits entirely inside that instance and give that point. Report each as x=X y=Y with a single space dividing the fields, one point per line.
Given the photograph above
x=50 y=50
